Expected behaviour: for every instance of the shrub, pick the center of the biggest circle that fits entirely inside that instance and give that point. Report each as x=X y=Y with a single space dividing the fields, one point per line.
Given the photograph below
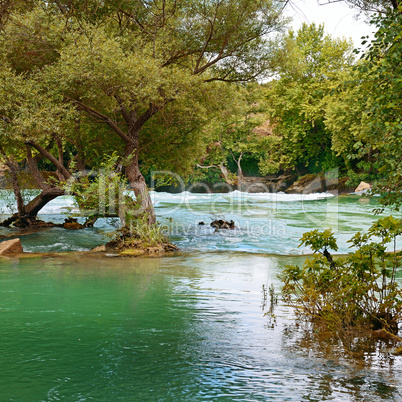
x=356 y=290
x=139 y=234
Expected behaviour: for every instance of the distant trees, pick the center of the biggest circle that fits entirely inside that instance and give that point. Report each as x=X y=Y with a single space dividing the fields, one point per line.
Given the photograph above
x=372 y=97
x=236 y=135
x=311 y=65
x=328 y=109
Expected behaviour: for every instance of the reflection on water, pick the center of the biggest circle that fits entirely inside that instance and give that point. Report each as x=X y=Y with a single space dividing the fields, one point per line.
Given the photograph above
x=189 y=327
x=362 y=367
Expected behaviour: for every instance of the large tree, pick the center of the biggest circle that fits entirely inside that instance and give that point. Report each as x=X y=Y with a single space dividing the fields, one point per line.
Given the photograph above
x=122 y=63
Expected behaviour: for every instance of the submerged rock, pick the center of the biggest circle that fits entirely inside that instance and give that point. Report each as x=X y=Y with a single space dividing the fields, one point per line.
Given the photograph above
x=11 y=247
x=222 y=224
x=133 y=252
x=135 y=248
x=157 y=251
x=134 y=245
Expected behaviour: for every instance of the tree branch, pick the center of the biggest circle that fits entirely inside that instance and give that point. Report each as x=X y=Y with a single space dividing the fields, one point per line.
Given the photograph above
x=66 y=174
x=33 y=167
x=124 y=113
x=151 y=111
x=207 y=167
x=102 y=117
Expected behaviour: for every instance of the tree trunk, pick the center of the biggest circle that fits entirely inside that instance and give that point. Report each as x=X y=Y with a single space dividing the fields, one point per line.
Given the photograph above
x=240 y=178
x=33 y=207
x=33 y=167
x=226 y=174
x=16 y=187
x=138 y=184
x=131 y=140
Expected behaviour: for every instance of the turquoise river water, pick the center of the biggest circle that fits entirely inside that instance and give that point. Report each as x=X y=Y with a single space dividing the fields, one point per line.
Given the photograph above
x=190 y=327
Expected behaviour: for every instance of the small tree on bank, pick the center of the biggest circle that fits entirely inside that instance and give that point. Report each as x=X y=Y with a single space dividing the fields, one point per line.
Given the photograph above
x=357 y=290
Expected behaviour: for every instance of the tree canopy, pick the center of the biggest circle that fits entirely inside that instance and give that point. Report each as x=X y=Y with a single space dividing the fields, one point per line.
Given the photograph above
x=136 y=77
x=311 y=65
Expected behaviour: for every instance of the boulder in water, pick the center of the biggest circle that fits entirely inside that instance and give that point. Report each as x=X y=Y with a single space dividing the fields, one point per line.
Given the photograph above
x=222 y=224
x=363 y=186
x=72 y=224
x=11 y=247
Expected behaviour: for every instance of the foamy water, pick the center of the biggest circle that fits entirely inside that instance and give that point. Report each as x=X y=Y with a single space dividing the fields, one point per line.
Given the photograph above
x=265 y=222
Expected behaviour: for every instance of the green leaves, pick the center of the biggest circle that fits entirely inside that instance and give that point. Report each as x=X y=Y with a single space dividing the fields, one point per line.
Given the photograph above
x=29 y=111
x=358 y=289
x=312 y=65
x=319 y=241
x=370 y=131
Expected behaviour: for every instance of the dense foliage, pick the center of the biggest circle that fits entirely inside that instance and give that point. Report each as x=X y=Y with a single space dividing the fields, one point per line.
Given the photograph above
x=86 y=78
x=154 y=83
x=312 y=64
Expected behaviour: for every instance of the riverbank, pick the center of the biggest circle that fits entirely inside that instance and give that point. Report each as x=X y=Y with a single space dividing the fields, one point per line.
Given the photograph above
x=288 y=183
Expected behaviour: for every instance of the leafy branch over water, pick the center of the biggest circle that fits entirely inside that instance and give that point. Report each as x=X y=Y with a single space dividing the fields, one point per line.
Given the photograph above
x=357 y=290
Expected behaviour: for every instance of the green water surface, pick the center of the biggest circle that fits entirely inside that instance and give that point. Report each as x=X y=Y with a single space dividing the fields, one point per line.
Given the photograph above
x=184 y=328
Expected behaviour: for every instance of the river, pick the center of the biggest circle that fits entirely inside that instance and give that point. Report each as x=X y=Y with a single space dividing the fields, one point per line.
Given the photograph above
x=195 y=326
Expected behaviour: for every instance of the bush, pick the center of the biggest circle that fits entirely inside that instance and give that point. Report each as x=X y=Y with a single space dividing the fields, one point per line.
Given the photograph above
x=357 y=290
x=140 y=235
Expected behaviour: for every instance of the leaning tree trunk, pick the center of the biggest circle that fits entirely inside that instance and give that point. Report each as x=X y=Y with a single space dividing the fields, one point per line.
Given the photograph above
x=138 y=184
x=27 y=216
x=33 y=207
x=131 y=140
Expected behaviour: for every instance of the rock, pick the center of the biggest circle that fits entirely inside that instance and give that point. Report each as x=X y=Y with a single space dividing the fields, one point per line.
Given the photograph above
x=222 y=224
x=11 y=247
x=338 y=186
x=170 y=247
x=308 y=184
x=72 y=224
x=363 y=186
x=285 y=181
x=132 y=252
x=99 y=249
x=320 y=183
x=157 y=251
x=201 y=223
